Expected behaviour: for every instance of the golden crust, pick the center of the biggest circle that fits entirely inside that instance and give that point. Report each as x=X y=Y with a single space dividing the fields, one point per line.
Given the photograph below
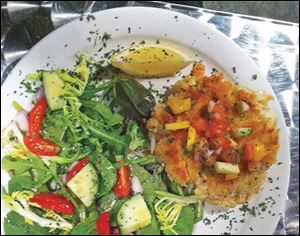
x=186 y=168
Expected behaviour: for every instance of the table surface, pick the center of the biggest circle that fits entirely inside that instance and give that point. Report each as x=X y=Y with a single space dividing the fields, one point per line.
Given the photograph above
x=272 y=45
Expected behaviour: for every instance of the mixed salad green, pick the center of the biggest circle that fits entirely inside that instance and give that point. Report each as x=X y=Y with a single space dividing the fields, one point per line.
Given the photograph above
x=80 y=162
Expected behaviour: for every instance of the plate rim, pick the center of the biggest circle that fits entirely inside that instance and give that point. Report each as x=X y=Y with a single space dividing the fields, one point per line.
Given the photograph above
x=283 y=130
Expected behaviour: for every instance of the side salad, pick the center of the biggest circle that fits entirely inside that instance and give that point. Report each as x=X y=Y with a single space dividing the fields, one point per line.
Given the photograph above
x=81 y=161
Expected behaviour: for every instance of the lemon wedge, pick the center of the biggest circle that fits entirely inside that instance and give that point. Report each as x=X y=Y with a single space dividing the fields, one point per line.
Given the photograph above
x=151 y=60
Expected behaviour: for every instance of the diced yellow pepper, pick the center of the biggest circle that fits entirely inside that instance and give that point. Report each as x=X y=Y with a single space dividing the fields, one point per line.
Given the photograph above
x=259 y=151
x=231 y=176
x=177 y=125
x=179 y=105
x=191 y=138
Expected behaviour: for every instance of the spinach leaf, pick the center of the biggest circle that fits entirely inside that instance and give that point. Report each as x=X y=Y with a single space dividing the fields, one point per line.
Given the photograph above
x=114 y=211
x=141 y=98
x=150 y=185
x=20 y=183
x=108 y=175
x=92 y=90
x=172 y=186
x=86 y=227
x=149 y=182
x=124 y=102
x=153 y=227
x=107 y=202
x=14 y=224
x=185 y=222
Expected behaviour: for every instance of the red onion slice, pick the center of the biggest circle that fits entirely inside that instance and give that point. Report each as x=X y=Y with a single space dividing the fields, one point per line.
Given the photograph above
x=22 y=120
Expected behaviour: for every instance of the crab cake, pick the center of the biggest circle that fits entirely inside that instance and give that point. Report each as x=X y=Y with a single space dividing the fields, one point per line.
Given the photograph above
x=216 y=136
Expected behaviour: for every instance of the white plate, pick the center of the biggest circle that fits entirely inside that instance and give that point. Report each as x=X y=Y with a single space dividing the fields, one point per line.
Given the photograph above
x=201 y=41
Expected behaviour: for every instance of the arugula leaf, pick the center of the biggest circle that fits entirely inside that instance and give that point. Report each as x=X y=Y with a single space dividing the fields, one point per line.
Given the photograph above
x=55 y=126
x=19 y=183
x=108 y=175
x=35 y=76
x=138 y=139
x=18 y=165
x=110 y=117
x=86 y=227
x=119 y=142
x=14 y=224
x=185 y=222
x=199 y=211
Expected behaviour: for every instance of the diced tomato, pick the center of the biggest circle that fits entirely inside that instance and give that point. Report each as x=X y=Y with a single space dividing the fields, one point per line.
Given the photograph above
x=200 y=124
x=180 y=135
x=249 y=151
x=122 y=186
x=41 y=146
x=253 y=165
x=36 y=117
x=217 y=135
x=228 y=156
x=198 y=70
x=254 y=151
x=53 y=202
x=165 y=117
x=219 y=114
x=77 y=168
x=194 y=93
x=102 y=224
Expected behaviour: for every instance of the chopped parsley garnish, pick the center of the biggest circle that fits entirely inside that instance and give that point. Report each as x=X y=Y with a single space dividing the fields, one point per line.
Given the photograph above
x=254 y=77
x=214 y=70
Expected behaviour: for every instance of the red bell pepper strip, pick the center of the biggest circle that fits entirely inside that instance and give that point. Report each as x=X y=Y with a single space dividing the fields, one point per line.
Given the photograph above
x=36 y=117
x=102 y=224
x=41 y=146
x=77 y=168
x=53 y=202
x=122 y=186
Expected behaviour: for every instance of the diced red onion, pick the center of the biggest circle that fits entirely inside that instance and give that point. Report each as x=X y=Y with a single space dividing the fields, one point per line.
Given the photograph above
x=217 y=116
x=209 y=153
x=22 y=120
x=64 y=178
x=207 y=134
x=39 y=95
x=153 y=142
x=210 y=106
x=197 y=156
x=71 y=166
x=136 y=185
x=218 y=151
x=115 y=231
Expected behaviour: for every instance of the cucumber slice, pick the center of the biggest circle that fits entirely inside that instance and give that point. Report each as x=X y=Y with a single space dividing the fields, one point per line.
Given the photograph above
x=242 y=132
x=53 y=86
x=85 y=184
x=133 y=215
x=226 y=168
